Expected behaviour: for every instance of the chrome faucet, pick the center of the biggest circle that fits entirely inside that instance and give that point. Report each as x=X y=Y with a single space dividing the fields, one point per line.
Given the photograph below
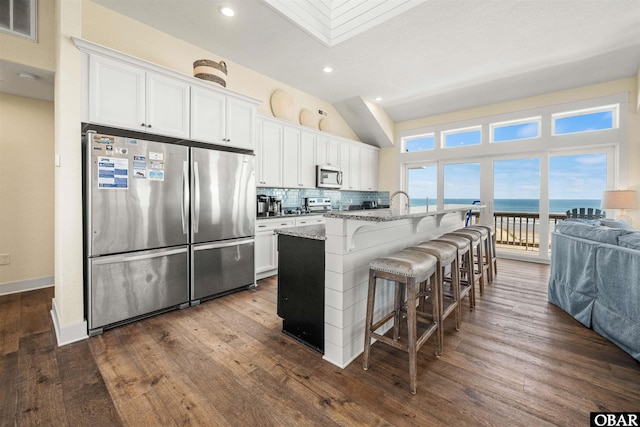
x=400 y=192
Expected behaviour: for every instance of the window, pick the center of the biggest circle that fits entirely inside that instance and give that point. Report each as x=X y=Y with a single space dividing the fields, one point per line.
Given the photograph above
x=515 y=130
x=18 y=17
x=585 y=120
x=462 y=137
x=419 y=143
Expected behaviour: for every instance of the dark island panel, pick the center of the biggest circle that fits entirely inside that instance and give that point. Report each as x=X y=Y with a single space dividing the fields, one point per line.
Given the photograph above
x=301 y=288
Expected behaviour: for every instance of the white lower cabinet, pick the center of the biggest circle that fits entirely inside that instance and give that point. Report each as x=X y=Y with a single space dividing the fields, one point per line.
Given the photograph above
x=266 y=245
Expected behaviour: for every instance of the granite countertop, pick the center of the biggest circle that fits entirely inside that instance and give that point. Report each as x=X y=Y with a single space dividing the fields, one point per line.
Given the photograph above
x=315 y=232
x=383 y=215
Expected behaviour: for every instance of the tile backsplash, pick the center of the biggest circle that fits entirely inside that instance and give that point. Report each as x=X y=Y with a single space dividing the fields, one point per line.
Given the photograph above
x=340 y=199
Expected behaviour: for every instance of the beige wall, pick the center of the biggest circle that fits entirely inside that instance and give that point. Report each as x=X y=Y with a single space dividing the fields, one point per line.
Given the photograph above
x=152 y=45
x=26 y=188
x=389 y=175
x=40 y=53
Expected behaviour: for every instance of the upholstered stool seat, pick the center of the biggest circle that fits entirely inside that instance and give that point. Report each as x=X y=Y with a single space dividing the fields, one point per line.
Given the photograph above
x=475 y=241
x=465 y=264
x=491 y=249
x=447 y=256
x=409 y=271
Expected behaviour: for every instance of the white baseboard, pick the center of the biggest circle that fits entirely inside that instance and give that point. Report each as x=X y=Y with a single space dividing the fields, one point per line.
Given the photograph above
x=25 y=285
x=70 y=333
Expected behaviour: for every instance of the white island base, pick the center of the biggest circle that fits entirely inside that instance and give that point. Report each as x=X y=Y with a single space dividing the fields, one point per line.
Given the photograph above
x=353 y=239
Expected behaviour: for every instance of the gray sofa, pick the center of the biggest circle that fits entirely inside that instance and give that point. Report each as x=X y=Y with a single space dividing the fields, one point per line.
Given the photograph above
x=595 y=277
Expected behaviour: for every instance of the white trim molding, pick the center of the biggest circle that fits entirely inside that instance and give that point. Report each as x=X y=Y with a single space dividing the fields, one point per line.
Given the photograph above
x=26 y=285
x=69 y=333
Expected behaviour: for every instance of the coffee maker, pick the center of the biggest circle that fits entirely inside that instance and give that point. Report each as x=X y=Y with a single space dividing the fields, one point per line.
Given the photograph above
x=274 y=206
x=262 y=207
x=268 y=206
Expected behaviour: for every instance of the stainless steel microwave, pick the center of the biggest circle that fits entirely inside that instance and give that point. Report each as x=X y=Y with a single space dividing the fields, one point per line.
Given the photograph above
x=328 y=176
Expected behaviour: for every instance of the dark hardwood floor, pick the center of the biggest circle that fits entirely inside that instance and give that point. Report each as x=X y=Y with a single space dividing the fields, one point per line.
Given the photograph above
x=517 y=360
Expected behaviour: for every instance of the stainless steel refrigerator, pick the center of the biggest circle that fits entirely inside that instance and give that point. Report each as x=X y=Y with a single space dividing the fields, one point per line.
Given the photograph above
x=166 y=225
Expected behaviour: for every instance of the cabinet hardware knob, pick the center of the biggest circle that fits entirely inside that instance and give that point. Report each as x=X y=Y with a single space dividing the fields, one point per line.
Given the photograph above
x=148 y=126
x=142 y=124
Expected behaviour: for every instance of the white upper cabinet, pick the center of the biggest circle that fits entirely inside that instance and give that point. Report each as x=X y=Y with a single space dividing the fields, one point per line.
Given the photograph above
x=298 y=158
x=327 y=151
x=221 y=119
x=240 y=123
x=269 y=154
x=125 y=96
x=116 y=94
x=208 y=115
x=368 y=169
x=167 y=106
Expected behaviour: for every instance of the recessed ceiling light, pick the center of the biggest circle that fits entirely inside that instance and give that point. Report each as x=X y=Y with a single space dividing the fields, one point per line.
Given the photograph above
x=327 y=69
x=227 y=11
x=378 y=98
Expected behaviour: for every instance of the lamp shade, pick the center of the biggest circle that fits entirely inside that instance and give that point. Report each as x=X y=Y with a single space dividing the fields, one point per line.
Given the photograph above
x=620 y=199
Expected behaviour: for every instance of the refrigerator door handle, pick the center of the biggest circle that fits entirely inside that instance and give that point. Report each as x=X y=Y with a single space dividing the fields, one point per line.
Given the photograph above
x=185 y=196
x=223 y=244
x=196 y=197
x=112 y=259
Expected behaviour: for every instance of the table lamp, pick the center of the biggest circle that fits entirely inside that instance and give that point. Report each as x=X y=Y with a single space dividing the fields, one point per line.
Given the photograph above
x=620 y=199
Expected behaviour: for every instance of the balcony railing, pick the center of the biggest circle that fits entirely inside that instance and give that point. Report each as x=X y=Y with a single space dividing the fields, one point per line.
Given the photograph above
x=520 y=229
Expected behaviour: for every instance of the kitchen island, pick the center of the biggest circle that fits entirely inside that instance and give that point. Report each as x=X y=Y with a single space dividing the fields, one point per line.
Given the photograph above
x=351 y=240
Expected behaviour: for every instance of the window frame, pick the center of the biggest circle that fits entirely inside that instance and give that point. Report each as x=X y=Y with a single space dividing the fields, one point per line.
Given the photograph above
x=406 y=139
x=33 y=20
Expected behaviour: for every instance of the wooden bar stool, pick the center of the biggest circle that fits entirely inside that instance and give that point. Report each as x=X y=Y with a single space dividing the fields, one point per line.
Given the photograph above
x=465 y=264
x=492 y=248
x=449 y=299
x=485 y=261
x=475 y=243
x=408 y=270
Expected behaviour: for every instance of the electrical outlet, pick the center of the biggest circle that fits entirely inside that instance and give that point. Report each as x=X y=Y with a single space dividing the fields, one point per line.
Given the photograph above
x=5 y=259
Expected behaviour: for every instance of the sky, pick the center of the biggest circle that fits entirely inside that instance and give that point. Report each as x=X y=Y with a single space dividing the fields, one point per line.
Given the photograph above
x=581 y=176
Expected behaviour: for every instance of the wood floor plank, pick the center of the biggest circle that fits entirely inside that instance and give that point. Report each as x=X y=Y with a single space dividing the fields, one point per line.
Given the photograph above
x=9 y=323
x=40 y=395
x=86 y=398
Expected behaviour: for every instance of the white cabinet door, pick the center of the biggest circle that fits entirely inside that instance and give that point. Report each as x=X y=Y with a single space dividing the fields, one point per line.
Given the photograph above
x=221 y=119
x=345 y=164
x=167 y=106
x=266 y=251
x=368 y=169
x=307 y=160
x=327 y=151
x=208 y=115
x=298 y=159
x=354 y=167
x=269 y=154
x=116 y=94
x=290 y=158
x=240 y=124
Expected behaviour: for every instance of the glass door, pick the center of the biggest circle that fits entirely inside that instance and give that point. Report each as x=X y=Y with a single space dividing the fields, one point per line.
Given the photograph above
x=422 y=185
x=516 y=205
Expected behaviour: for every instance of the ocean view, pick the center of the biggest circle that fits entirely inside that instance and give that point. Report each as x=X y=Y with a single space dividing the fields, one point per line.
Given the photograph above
x=521 y=205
